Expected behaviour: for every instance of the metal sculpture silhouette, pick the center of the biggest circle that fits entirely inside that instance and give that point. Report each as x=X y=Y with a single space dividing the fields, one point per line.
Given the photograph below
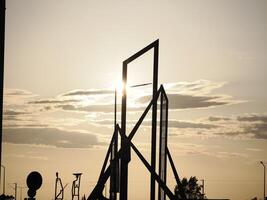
x=59 y=189
x=75 y=189
x=119 y=159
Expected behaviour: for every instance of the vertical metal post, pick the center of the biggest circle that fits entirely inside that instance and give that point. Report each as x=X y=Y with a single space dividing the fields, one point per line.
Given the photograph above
x=2 y=53
x=203 y=187
x=16 y=187
x=124 y=145
x=4 y=179
x=20 y=193
x=263 y=179
x=154 y=120
x=113 y=163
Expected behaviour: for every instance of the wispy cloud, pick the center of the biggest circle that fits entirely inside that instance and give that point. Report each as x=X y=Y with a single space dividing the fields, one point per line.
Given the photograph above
x=218 y=118
x=189 y=95
x=244 y=126
x=253 y=118
x=53 y=101
x=10 y=112
x=179 y=101
x=50 y=137
x=17 y=92
x=88 y=92
x=199 y=87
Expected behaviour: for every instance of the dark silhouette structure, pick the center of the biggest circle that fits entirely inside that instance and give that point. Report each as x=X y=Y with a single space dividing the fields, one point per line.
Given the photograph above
x=75 y=189
x=117 y=170
x=264 y=168
x=2 y=53
x=59 y=189
x=34 y=182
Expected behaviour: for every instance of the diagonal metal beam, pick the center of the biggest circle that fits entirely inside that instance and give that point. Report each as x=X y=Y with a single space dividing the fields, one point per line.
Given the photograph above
x=178 y=182
x=139 y=122
x=107 y=155
x=141 y=52
x=148 y=166
x=97 y=191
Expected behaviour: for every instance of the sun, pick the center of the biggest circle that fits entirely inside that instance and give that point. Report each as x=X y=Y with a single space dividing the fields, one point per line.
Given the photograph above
x=120 y=85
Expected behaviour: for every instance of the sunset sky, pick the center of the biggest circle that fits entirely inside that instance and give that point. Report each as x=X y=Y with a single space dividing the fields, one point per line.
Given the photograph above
x=63 y=60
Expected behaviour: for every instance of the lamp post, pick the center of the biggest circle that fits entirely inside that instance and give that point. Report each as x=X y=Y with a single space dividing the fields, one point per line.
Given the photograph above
x=4 y=179
x=263 y=179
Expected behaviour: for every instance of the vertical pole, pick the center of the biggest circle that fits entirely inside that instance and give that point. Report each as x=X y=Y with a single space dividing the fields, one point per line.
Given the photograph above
x=203 y=187
x=20 y=193
x=115 y=110
x=116 y=175
x=124 y=146
x=79 y=187
x=114 y=164
x=2 y=53
x=4 y=180
x=154 y=120
x=16 y=187
x=263 y=179
x=264 y=183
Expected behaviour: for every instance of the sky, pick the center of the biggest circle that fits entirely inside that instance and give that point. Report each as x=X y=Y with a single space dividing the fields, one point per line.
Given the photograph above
x=63 y=60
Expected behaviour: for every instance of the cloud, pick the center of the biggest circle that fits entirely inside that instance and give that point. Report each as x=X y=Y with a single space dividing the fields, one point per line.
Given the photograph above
x=180 y=101
x=253 y=118
x=259 y=130
x=16 y=92
x=186 y=124
x=91 y=108
x=53 y=101
x=171 y=124
x=103 y=108
x=50 y=137
x=89 y=92
x=199 y=87
x=11 y=112
x=244 y=126
x=182 y=95
x=12 y=115
x=216 y=118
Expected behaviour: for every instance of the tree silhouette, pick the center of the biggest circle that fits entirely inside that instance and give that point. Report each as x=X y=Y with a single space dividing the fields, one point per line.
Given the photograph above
x=191 y=189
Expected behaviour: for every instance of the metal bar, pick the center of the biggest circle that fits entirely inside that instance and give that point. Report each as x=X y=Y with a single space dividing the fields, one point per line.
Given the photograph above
x=140 y=85
x=154 y=119
x=154 y=174
x=103 y=179
x=125 y=158
x=178 y=182
x=114 y=169
x=132 y=133
x=166 y=137
x=2 y=61
x=114 y=165
x=141 y=52
x=107 y=155
x=163 y=144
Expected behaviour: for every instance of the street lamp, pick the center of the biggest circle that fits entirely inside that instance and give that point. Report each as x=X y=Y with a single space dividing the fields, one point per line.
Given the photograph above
x=263 y=179
x=4 y=179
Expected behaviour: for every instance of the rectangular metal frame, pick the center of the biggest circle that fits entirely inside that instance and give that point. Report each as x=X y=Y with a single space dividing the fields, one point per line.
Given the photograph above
x=125 y=146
